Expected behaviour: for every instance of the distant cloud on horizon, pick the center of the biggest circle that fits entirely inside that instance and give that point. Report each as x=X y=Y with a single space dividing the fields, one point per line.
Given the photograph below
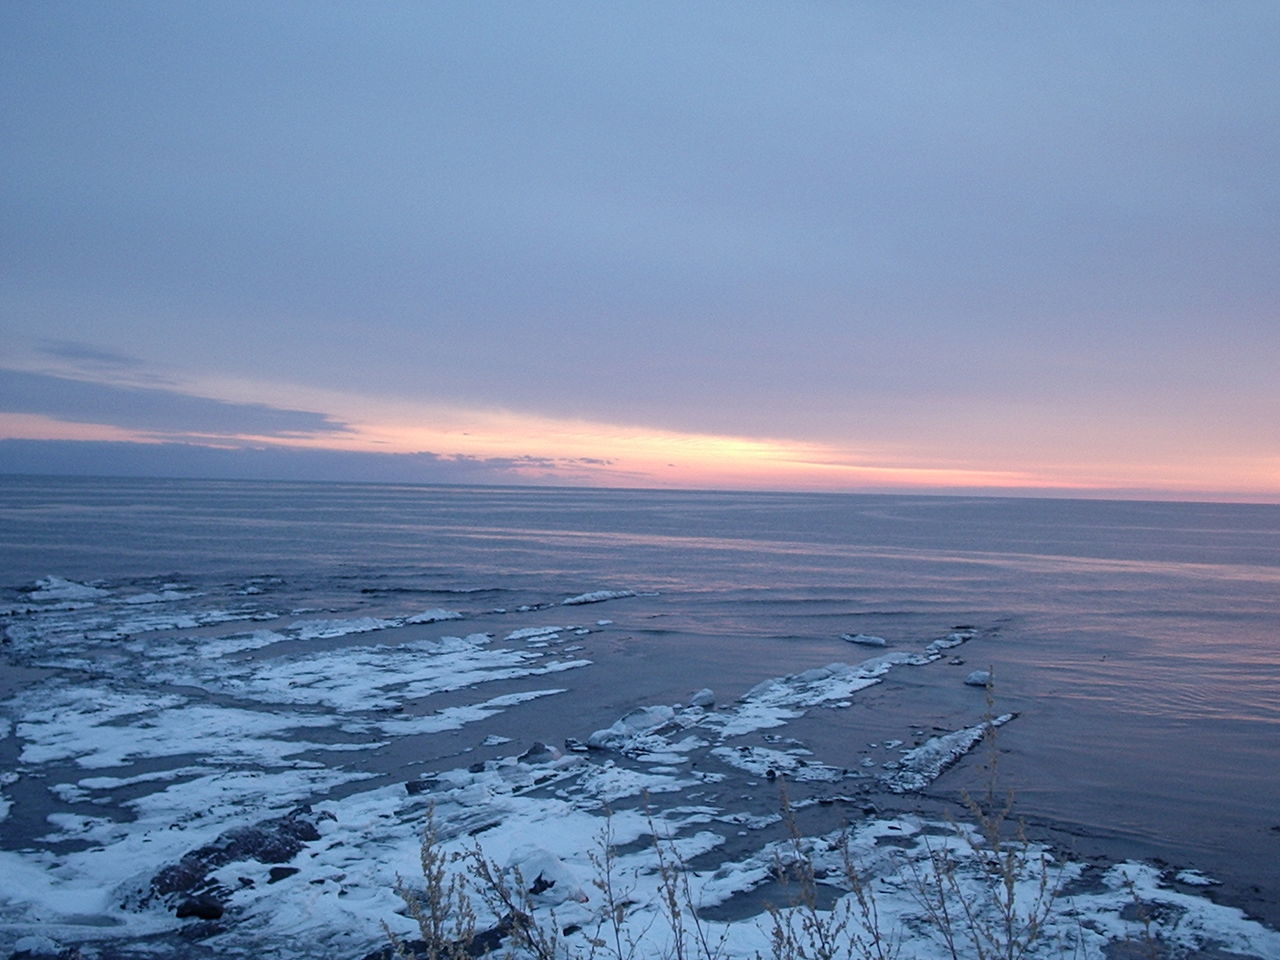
x=156 y=410
x=197 y=461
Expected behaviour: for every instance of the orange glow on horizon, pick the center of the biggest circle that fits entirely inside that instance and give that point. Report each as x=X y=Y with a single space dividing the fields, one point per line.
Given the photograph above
x=611 y=455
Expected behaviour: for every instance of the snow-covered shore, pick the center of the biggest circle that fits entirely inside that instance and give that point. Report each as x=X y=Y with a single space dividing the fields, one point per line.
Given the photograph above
x=266 y=772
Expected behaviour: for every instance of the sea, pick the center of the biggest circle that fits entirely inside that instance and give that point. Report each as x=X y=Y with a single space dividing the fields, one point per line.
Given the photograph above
x=170 y=634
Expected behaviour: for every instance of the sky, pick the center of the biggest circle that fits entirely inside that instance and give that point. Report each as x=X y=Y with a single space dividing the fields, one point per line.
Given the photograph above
x=1026 y=248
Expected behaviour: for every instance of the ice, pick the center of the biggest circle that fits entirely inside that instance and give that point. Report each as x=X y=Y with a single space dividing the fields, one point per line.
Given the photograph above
x=164 y=596
x=767 y=763
x=100 y=728
x=434 y=616
x=630 y=727
x=324 y=629
x=1194 y=878
x=454 y=718
x=7 y=778
x=535 y=633
x=598 y=596
x=864 y=639
x=954 y=639
x=235 y=643
x=56 y=588
x=316 y=725
x=382 y=677
x=773 y=702
x=921 y=766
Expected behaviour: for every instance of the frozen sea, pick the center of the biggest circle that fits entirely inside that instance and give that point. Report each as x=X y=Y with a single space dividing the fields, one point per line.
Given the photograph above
x=187 y=662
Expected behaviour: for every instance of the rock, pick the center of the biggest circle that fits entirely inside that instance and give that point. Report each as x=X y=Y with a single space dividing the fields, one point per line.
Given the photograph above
x=703 y=698
x=276 y=874
x=203 y=908
x=482 y=944
x=539 y=752
x=979 y=678
x=188 y=883
x=422 y=785
x=574 y=745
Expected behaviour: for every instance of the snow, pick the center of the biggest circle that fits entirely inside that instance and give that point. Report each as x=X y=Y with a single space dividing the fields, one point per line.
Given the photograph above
x=1193 y=878
x=117 y=736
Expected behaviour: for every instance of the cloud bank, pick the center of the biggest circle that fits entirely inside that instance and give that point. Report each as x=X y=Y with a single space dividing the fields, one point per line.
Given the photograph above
x=195 y=461
x=153 y=409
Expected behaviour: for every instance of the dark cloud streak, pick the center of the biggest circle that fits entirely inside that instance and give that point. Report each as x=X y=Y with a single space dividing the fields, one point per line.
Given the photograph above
x=92 y=360
x=152 y=409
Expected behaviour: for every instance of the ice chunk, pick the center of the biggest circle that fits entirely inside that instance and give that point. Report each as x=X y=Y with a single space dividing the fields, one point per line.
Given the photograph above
x=865 y=639
x=1194 y=878
x=921 y=766
x=629 y=726
x=770 y=764
x=56 y=588
x=535 y=633
x=325 y=629
x=434 y=616
x=934 y=649
x=598 y=596
x=164 y=596
x=703 y=698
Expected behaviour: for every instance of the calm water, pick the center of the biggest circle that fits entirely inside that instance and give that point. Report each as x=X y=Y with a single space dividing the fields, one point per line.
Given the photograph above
x=1139 y=641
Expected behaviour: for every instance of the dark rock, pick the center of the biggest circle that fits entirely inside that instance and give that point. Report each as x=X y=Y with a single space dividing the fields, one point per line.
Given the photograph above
x=188 y=882
x=482 y=944
x=541 y=885
x=197 y=930
x=539 y=752
x=279 y=873
x=203 y=908
x=40 y=947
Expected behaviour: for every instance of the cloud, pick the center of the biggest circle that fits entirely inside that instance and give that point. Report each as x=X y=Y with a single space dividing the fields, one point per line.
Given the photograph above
x=87 y=357
x=151 y=409
x=189 y=460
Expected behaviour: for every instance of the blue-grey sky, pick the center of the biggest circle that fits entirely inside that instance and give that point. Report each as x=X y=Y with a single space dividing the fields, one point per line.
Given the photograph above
x=1034 y=242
